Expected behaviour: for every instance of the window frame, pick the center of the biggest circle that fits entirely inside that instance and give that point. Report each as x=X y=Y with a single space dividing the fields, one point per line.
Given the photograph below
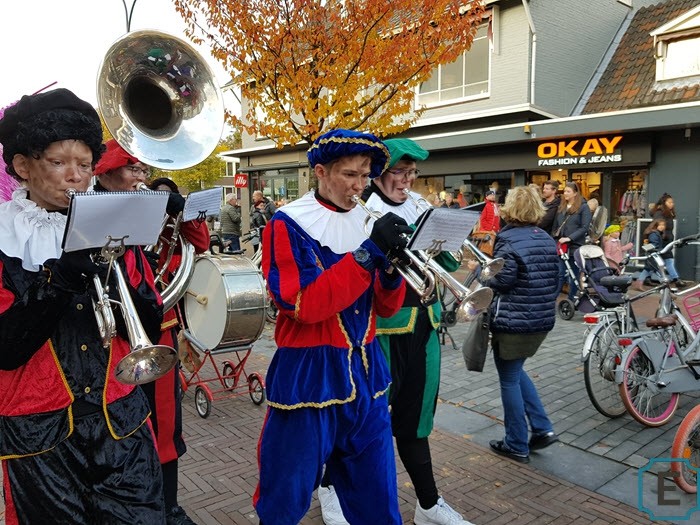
x=465 y=98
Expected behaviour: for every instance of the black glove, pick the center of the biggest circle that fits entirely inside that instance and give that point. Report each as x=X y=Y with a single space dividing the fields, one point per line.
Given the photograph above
x=176 y=203
x=388 y=231
x=72 y=271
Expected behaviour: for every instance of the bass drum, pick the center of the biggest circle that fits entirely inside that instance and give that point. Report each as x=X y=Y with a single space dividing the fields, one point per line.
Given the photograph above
x=225 y=301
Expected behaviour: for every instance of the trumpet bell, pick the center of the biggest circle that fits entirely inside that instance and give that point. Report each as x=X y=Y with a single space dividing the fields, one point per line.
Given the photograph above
x=146 y=364
x=159 y=100
x=492 y=267
x=476 y=302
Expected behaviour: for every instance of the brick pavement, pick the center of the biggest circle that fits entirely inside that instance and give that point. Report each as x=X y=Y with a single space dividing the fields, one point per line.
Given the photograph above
x=218 y=476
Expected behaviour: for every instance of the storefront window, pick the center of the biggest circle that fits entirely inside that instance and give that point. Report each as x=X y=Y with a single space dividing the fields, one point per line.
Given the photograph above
x=277 y=185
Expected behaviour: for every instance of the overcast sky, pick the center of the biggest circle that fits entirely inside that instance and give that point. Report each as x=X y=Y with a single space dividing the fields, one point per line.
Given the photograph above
x=43 y=41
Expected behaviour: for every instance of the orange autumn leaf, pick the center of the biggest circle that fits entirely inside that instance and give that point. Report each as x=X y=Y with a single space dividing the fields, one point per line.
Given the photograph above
x=306 y=66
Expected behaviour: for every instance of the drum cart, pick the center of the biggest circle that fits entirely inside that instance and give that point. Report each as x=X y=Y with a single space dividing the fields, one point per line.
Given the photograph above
x=227 y=383
x=225 y=310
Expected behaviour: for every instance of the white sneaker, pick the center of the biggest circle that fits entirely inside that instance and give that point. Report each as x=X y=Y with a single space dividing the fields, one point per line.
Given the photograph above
x=330 y=507
x=440 y=514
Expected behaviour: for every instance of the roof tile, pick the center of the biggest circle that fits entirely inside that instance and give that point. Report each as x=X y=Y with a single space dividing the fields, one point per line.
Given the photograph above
x=629 y=80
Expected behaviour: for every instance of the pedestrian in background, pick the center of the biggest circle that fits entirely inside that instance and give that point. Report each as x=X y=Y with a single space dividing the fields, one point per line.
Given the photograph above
x=490 y=219
x=570 y=228
x=450 y=201
x=230 y=217
x=522 y=315
x=261 y=212
x=665 y=210
x=551 y=201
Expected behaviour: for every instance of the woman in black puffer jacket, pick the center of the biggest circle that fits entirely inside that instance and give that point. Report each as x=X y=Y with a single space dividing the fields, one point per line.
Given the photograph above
x=522 y=315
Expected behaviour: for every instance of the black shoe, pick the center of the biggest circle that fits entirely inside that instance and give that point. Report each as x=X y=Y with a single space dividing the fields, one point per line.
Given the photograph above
x=500 y=448
x=178 y=516
x=680 y=283
x=543 y=441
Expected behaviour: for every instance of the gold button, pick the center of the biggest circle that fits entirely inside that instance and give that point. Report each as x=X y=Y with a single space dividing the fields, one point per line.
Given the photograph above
x=87 y=389
x=83 y=347
x=357 y=312
x=79 y=306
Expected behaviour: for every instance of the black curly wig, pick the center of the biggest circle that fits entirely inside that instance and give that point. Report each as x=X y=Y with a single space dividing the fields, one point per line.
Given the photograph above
x=36 y=121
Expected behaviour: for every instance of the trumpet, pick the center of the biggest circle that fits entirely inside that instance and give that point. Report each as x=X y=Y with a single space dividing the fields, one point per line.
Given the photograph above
x=146 y=362
x=470 y=302
x=422 y=284
x=489 y=265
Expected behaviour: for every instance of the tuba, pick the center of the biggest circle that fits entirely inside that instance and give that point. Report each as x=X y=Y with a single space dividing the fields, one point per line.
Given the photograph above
x=160 y=101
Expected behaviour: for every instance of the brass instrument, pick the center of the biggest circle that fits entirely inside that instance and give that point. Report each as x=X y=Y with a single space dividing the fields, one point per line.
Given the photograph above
x=489 y=265
x=423 y=285
x=146 y=362
x=176 y=288
x=160 y=101
x=471 y=302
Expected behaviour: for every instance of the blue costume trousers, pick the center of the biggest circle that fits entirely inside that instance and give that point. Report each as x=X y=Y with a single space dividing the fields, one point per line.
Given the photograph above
x=352 y=439
x=520 y=404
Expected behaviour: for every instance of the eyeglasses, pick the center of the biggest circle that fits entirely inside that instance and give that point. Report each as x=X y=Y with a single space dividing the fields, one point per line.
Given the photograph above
x=135 y=170
x=405 y=172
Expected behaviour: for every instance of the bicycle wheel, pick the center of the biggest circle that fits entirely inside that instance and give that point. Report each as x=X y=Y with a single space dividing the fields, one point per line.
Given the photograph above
x=599 y=369
x=686 y=445
x=644 y=400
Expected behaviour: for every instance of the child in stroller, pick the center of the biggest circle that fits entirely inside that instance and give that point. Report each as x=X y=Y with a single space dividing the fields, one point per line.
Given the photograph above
x=600 y=286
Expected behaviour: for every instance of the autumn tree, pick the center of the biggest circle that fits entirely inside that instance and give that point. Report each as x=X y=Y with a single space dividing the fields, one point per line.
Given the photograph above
x=202 y=175
x=305 y=66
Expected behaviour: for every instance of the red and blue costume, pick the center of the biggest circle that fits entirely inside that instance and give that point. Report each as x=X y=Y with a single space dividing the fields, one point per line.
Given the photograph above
x=327 y=379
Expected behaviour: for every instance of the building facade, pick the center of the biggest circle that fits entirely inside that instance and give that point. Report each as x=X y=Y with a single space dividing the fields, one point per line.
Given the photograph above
x=558 y=89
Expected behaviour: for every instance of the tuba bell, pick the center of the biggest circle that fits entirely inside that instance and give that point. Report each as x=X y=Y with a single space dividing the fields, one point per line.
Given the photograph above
x=160 y=101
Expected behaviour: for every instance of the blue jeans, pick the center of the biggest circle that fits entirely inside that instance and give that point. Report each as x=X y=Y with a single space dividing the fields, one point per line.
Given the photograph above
x=564 y=277
x=235 y=241
x=671 y=269
x=520 y=404
x=646 y=273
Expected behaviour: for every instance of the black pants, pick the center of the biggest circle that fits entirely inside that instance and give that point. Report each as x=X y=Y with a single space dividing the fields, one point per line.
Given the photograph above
x=89 y=479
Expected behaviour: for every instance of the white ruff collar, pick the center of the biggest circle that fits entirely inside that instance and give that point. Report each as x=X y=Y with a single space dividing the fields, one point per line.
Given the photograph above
x=406 y=210
x=30 y=233
x=341 y=232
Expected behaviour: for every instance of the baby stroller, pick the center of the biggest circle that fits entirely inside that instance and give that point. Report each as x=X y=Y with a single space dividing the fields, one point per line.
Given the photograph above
x=599 y=285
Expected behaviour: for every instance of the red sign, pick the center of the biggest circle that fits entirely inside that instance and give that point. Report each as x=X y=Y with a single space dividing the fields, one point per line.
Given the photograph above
x=240 y=180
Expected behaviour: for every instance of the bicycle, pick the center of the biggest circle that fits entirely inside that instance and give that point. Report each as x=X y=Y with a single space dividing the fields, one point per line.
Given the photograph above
x=654 y=370
x=686 y=446
x=601 y=350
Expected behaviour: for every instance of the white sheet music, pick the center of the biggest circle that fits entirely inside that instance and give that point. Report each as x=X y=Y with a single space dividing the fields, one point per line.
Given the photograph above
x=444 y=224
x=95 y=216
x=202 y=204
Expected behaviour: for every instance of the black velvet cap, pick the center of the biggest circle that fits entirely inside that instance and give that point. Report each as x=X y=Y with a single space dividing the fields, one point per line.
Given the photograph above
x=38 y=120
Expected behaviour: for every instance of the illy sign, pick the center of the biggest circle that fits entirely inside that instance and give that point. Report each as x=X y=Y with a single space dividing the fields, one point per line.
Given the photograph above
x=240 y=180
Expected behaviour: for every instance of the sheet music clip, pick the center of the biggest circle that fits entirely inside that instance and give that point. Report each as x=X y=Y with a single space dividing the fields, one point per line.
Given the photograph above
x=435 y=248
x=201 y=216
x=114 y=248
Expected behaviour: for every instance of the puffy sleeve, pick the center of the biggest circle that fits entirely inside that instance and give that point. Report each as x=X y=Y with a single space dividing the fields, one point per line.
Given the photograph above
x=28 y=316
x=197 y=233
